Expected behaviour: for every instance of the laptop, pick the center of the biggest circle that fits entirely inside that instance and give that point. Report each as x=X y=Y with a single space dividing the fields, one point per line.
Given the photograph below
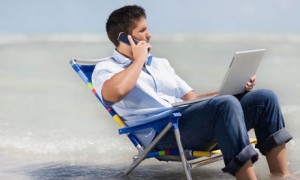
x=242 y=67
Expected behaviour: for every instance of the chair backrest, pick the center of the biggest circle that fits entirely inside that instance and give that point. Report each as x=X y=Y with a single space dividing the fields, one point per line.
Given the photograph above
x=84 y=68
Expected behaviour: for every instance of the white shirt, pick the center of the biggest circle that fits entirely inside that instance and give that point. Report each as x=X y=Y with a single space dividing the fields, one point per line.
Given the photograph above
x=156 y=88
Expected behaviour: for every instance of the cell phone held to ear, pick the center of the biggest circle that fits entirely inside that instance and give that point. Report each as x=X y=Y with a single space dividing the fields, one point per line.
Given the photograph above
x=123 y=37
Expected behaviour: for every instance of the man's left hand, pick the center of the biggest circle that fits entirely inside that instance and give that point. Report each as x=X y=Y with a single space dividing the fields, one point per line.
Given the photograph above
x=250 y=84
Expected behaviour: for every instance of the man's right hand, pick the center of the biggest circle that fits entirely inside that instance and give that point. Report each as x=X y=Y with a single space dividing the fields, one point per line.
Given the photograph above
x=139 y=50
x=117 y=87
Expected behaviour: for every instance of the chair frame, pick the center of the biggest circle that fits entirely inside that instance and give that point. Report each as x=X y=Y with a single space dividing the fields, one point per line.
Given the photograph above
x=170 y=119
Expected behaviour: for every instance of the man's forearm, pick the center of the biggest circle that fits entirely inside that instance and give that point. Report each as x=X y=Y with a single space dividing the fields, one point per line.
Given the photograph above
x=121 y=83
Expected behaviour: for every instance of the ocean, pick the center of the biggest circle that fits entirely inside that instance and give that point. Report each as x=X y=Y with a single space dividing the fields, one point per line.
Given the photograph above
x=52 y=126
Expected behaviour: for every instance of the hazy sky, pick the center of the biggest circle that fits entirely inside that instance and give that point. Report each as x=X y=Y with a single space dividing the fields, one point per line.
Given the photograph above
x=164 y=16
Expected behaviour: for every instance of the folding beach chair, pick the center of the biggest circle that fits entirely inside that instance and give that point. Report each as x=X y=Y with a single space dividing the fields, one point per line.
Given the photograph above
x=84 y=68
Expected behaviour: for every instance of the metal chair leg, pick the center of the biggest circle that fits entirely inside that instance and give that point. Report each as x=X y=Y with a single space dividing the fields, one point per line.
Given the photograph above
x=182 y=155
x=136 y=162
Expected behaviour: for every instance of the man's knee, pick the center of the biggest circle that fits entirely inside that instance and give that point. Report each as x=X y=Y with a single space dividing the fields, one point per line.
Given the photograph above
x=266 y=94
x=227 y=102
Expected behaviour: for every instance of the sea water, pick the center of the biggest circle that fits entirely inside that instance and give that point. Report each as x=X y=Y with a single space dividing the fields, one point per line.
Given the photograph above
x=52 y=126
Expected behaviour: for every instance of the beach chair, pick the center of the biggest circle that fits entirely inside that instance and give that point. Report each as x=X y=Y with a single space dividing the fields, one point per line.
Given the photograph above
x=84 y=68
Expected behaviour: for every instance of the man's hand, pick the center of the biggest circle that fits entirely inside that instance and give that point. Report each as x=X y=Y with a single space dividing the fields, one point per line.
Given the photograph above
x=120 y=84
x=140 y=50
x=250 y=84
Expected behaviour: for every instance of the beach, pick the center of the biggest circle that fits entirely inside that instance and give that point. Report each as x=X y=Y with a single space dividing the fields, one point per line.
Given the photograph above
x=52 y=126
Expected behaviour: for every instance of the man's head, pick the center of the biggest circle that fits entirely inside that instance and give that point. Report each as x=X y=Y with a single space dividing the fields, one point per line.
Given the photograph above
x=125 y=20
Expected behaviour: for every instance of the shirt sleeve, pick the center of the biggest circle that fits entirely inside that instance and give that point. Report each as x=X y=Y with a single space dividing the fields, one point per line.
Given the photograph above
x=102 y=74
x=183 y=87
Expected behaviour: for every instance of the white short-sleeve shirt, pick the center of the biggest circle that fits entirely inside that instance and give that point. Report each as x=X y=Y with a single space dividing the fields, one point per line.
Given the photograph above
x=156 y=88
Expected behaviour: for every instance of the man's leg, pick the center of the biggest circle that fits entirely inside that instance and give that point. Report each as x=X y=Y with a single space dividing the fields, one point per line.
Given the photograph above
x=220 y=119
x=277 y=161
x=246 y=172
x=262 y=112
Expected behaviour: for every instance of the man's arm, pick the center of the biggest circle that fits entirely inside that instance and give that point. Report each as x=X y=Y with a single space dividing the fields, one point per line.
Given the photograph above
x=192 y=95
x=120 y=84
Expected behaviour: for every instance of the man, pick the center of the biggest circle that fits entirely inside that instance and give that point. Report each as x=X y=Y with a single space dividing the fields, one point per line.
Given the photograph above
x=138 y=85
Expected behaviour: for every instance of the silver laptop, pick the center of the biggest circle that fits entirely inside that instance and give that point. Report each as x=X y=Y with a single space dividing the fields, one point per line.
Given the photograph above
x=243 y=65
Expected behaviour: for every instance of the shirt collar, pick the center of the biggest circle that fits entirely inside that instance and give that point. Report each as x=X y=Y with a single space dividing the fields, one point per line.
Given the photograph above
x=120 y=58
x=149 y=60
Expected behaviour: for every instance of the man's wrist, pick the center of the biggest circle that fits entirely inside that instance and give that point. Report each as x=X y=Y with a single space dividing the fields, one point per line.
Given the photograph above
x=140 y=61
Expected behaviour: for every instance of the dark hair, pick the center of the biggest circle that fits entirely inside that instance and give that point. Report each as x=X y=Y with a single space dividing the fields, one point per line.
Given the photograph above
x=123 y=20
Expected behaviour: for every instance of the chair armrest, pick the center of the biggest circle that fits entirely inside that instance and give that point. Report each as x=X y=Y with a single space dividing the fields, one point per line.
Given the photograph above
x=152 y=122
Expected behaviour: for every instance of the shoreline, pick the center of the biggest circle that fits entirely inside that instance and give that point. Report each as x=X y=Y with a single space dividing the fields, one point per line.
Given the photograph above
x=6 y=39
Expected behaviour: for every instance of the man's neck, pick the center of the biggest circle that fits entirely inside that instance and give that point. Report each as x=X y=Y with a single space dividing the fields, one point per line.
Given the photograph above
x=125 y=52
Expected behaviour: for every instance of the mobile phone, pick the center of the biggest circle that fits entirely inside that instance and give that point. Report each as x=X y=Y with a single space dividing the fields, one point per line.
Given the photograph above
x=123 y=37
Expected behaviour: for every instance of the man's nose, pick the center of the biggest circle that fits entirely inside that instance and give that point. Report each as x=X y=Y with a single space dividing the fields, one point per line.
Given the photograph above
x=148 y=34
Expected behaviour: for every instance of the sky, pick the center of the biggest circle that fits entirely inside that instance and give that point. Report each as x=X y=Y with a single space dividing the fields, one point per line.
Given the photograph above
x=164 y=16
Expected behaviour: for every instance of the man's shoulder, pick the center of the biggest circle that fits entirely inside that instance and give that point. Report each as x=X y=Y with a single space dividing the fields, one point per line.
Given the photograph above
x=105 y=62
x=108 y=65
x=160 y=62
x=159 y=58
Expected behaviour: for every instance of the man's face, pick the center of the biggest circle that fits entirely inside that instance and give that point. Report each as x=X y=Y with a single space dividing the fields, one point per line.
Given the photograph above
x=140 y=32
